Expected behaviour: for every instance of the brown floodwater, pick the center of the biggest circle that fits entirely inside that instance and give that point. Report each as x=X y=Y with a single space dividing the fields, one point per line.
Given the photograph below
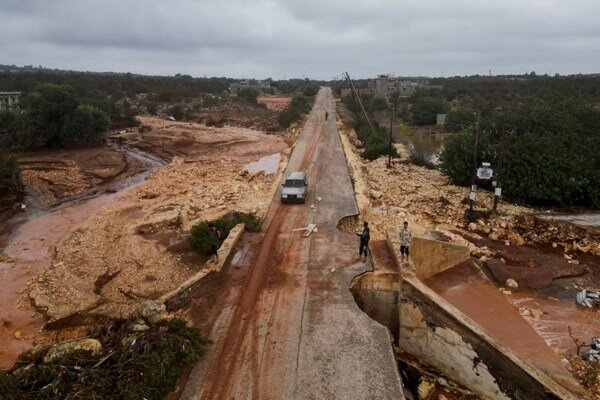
x=468 y=289
x=558 y=316
x=30 y=250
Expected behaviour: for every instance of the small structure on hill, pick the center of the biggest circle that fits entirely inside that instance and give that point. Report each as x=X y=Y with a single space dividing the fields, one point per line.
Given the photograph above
x=9 y=100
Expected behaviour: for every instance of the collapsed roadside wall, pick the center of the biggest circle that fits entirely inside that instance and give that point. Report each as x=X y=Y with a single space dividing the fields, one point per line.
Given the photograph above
x=440 y=335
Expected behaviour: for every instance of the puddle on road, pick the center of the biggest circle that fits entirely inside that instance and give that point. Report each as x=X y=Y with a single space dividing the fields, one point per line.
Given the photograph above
x=268 y=164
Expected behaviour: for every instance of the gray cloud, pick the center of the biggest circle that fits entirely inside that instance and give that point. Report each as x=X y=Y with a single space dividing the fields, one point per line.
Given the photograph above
x=277 y=38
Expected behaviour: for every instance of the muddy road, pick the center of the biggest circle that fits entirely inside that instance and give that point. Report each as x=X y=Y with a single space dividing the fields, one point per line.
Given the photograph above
x=293 y=330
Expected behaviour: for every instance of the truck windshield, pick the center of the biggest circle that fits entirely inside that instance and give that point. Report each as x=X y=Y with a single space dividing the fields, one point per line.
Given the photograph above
x=294 y=183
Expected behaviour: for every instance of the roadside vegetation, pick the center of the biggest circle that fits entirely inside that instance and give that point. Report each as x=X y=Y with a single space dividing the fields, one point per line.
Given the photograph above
x=300 y=105
x=200 y=236
x=129 y=366
x=551 y=155
x=10 y=177
x=375 y=140
x=51 y=116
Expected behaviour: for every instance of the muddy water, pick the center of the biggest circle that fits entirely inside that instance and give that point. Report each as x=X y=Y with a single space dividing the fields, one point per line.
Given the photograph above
x=465 y=287
x=558 y=316
x=422 y=144
x=268 y=164
x=30 y=250
x=585 y=219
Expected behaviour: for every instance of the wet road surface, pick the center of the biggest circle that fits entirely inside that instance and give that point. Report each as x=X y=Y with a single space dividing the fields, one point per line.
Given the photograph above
x=295 y=330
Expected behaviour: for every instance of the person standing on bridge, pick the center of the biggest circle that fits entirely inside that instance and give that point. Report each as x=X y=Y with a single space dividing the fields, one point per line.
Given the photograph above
x=326 y=115
x=405 y=238
x=365 y=236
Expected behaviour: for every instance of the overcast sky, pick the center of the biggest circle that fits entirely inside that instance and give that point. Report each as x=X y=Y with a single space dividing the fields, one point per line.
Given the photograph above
x=303 y=38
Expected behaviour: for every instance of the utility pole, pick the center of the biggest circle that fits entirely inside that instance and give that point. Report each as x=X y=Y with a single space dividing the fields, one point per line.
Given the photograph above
x=359 y=101
x=391 y=126
x=498 y=188
x=474 y=169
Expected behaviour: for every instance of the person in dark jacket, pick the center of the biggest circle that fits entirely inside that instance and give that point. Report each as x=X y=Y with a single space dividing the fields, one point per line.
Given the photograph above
x=215 y=241
x=326 y=115
x=365 y=235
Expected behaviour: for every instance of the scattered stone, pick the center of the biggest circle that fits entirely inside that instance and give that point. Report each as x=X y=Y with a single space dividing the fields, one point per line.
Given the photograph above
x=425 y=389
x=153 y=311
x=18 y=335
x=511 y=283
x=139 y=328
x=524 y=311
x=537 y=314
x=472 y=226
x=65 y=348
x=505 y=292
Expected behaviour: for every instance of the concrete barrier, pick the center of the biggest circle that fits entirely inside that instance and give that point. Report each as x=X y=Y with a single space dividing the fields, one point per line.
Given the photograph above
x=225 y=252
x=228 y=245
x=431 y=257
x=442 y=336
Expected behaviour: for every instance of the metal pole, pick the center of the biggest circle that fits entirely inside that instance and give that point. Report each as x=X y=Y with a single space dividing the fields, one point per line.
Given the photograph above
x=498 y=189
x=359 y=101
x=391 y=126
x=474 y=169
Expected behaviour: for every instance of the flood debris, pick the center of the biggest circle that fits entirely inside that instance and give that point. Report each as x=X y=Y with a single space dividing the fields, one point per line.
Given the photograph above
x=307 y=229
x=113 y=363
x=593 y=354
x=588 y=298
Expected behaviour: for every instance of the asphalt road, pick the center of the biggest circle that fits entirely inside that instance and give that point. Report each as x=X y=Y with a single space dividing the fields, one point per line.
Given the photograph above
x=295 y=331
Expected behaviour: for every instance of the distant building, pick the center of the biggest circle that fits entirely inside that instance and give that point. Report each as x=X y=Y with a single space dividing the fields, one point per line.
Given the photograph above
x=9 y=100
x=260 y=87
x=385 y=85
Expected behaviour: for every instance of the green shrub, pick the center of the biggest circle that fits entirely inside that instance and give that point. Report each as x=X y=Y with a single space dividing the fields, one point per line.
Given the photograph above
x=376 y=142
x=248 y=94
x=310 y=90
x=200 y=236
x=425 y=109
x=52 y=117
x=539 y=168
x=459 y=119
x=85 y=125
x=131 y=366
x=299 y=106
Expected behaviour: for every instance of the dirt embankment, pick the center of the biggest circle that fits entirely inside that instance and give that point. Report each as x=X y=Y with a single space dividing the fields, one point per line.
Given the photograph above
x=121 y=256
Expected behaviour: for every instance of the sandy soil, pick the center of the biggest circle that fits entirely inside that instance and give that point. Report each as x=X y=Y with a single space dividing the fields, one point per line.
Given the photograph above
x=119 y=257
x=275 y=103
